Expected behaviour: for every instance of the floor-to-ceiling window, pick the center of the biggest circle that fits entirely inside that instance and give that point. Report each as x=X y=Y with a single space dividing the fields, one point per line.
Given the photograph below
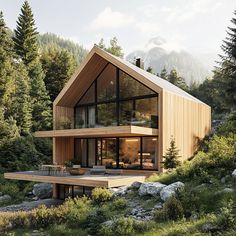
x=114 y=99
x=114 y=152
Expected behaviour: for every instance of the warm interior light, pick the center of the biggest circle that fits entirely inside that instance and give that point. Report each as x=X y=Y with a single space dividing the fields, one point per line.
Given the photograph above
x=145 y=154
x=131 y=140
x=154 y=139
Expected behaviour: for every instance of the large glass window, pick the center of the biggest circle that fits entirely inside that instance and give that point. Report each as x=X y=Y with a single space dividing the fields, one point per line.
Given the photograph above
x=129 y=153
x=81 y=117
x=126 y=112
x=107 y=114
x=109 y=152
x=149 y=152
x=146 y=112
x=81 y=151
x=106 y=84
x=91 y=152
x=130 y=87
x=89 y=96
x=116 y=98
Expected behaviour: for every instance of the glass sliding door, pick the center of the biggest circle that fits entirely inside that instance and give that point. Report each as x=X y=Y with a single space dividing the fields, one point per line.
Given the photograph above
x=91 y=152
x=81 y=151
x=149 y=152
x=109 y=154
x=129 y=153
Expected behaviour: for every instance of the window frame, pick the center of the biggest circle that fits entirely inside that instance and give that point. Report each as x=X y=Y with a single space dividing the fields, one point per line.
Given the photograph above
x=117 y=100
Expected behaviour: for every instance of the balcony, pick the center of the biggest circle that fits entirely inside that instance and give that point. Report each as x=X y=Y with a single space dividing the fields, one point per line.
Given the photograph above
x=116 y=131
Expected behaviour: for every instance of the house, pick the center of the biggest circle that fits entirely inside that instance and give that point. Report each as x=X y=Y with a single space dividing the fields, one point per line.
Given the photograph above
x=114 y=113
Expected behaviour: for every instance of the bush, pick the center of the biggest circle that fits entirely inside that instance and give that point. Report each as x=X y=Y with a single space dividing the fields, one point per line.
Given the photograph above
x=10 y=188
x=100 y=195
x=172 y=210
x=227 y=218
x=119 y=203
x=78 y=210
x=120 y=227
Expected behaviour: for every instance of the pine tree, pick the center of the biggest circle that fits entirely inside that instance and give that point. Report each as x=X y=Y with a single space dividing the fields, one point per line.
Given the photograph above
x=6 y=59
x=226 y=73
x=114 y=47
x=150 y=70
x=164 y=74
x=41 y=104
x=58 y=66
x=25 y=39
x=20 y=107
x=171 y=158
x=26 y=46
x=177 y=80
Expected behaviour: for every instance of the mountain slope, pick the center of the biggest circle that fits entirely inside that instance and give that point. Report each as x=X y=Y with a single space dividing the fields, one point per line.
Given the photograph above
x=188 y=66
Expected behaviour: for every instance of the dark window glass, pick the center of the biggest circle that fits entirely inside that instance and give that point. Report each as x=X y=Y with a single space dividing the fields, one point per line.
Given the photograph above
x=107 y=114
x=130 y=87
x=106 y=84
x=81 y=151
x=146 y=112
x=81 y=117
x=89 y=96
x=149 y=154
x=91 y=117
x=129 y=153
x=109 y=152
x=91 y=152
x=126 y=112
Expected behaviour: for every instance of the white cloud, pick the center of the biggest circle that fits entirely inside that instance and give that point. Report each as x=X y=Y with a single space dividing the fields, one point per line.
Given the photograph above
x=147 y=27
x=111 y=19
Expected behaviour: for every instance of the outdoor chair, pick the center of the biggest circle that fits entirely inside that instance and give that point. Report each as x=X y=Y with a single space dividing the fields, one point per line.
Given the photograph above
x=114 y=171
x=98 y=170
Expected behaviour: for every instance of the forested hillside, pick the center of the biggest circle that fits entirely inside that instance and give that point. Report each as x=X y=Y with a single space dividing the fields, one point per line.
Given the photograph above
x=49 y=40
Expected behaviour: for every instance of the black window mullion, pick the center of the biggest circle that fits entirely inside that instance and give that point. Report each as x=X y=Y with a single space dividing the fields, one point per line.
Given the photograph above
x=96 y=100
x=96 y=151
x=141 y=152
x=87 y=153
x=117 y=152
x=117 y=97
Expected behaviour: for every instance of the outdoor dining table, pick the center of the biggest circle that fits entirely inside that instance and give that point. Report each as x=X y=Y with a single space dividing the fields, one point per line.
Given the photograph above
x=51 y=167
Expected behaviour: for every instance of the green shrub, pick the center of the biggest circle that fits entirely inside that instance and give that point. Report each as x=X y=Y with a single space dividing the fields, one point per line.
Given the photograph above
x=172 y=210
x=101 y=195
x=10 y=188
x=119 y=203
x=227 y=217
x=78 y=210
x=121 y=227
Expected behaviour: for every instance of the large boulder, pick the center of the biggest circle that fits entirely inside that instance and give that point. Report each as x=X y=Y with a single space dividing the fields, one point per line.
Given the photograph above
x=234 y=173
x=170 y=190
x=136 y=184
x=43 y=190
x=150 y=188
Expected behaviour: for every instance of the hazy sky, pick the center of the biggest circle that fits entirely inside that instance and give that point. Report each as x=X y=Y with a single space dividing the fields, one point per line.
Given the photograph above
x=195 y=25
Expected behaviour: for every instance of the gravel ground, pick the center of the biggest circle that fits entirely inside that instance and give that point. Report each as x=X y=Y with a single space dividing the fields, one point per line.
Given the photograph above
x=27 y=206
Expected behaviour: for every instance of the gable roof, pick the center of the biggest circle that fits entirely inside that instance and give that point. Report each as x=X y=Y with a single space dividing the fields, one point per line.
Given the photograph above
x=95 y=62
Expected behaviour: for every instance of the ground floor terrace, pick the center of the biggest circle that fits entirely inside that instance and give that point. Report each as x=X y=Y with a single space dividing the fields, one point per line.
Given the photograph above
x=65 y=185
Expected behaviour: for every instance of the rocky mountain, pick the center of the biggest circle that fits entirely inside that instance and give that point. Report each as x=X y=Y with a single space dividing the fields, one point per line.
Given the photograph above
x=188 y=66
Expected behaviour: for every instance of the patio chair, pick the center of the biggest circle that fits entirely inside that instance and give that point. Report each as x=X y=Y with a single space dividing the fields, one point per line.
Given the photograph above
x=96 y=170
x=114 y=171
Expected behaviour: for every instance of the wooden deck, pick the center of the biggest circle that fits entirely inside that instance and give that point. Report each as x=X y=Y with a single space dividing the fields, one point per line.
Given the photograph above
x=106 y=181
